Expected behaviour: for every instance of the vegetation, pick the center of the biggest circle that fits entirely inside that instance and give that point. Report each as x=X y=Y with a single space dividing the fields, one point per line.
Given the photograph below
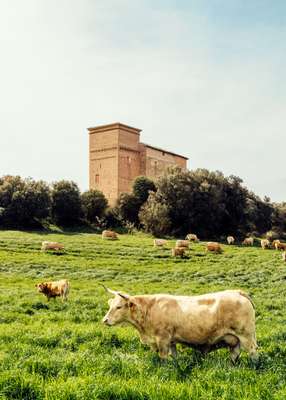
x=62 y=351
x=94 y=205
x=66 y=203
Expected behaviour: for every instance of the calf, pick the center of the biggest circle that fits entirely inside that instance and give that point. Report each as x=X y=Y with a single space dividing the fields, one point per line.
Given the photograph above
x=51 y=246
x=178 y=251
x=248 y=241
x=192 y=237
x=265 y=244
x=54 y=289
x=182 y=243
x=280 y=246
x=214 y=247
x=230 y=240
x=206 y=322
x=159 y=242
x=109 y=235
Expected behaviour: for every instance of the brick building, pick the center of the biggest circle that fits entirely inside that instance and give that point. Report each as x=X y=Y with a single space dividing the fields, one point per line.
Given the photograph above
x=117 y=157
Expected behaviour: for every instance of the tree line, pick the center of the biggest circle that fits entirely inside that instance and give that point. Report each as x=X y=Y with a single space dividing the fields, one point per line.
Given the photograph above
x=200 y=201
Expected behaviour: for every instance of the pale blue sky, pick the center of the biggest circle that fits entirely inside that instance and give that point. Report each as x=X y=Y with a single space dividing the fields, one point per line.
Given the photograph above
x=205 y=78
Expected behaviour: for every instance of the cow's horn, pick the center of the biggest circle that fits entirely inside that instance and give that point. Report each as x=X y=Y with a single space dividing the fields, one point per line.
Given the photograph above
x=109 y=290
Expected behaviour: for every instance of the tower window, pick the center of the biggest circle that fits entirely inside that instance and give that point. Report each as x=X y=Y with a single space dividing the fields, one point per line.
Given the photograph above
x=96 y=178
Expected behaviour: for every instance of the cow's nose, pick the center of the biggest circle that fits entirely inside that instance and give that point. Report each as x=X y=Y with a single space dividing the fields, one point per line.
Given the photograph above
x=105 y=320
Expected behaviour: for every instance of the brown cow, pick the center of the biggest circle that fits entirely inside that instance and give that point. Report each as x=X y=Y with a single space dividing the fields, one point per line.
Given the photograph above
x=206 y=322
x=54 y=289
x=178 y=251
x=265 y=243
x=230 y=240
x=274 y=242
x=51 y=246
x=192 y=237
x=280 y=246
x=248 y=241
x=182 y=243
x=109 y=235
x=214 y=246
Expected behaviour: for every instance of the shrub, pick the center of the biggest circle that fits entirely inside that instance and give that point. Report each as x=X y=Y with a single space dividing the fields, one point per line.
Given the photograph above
x=154 y=216
x=127 y=208
x=66 y=203
x=94 y=205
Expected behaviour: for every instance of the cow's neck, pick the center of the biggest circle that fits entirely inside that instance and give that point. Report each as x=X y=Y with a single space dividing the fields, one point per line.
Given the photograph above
x=138 y=318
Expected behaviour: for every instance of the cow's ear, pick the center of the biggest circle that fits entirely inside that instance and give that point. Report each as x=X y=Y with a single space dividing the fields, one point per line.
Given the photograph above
x=131 y=304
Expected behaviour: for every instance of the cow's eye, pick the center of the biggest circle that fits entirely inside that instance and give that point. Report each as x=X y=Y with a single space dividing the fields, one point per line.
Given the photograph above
x=118 y=307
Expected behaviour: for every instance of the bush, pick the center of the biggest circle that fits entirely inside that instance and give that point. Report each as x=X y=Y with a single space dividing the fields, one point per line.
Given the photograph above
x=127 y=208
x=66 y=203
x=154 y=216
x=23 y=202
x=94 y=205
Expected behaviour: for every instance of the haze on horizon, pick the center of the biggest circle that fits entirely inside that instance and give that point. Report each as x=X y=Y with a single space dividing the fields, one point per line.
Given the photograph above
x=203 y=79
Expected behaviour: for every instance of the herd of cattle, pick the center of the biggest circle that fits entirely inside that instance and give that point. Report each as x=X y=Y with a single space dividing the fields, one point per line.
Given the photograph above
x=206 y=322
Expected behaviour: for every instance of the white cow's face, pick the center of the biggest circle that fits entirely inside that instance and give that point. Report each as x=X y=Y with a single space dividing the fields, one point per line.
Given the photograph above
x=118 y=311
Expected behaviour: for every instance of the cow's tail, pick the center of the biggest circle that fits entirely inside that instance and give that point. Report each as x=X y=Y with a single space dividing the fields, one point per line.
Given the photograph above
x=242 y=293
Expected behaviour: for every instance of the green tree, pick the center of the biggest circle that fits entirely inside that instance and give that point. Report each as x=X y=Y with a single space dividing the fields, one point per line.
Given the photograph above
x=66 y=203
x=142 y=186
x=94 y=205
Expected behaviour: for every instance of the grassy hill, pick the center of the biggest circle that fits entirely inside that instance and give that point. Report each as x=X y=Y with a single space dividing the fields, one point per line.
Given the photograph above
x=62 y=351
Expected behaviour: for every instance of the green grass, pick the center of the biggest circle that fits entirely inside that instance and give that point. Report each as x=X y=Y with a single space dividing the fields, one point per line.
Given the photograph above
x=62 y=351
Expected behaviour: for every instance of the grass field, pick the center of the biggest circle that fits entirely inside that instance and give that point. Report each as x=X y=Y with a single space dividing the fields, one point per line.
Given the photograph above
x=62 y=351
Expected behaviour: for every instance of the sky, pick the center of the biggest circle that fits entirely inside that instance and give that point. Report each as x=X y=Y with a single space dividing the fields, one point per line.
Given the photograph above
x=203 y=78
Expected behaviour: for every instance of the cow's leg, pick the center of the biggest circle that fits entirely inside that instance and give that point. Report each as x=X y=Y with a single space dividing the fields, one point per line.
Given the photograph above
x=235 y=353
x=163 y=347
x=174 y=350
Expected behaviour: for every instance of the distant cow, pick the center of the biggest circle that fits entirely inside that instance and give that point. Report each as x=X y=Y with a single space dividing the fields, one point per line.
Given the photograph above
x=159 y=242
x=265 y=243
x=54 y=289
x=178 y=251
x=280 y=246
x=109 y=235
x=51 y=246
x=214 y=247
x=182 y=243
x=274 y=242
x=248 y=241
x=192 y=237
x=205 y=322
x=284 y=256
x=230 y=239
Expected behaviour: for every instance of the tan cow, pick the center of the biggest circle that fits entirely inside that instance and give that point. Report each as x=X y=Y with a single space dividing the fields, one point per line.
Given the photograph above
x=280 y=246
x=192 y=237
x=182 y=243
x=109 y=235
x=265 y=243
x=159 y=242
x=51 y=246
x=54 y=289
x=248 y=241
x=274 y=242
x=214 y=246
x=178 y=251
x=206 y=322
x=230 y=240
x=284 y=256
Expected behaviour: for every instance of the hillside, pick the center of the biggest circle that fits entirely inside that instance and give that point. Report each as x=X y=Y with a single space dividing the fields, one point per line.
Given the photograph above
x=62 y=351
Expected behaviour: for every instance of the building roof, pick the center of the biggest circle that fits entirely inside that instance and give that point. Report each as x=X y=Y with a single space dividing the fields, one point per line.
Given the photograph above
x=165 y=151
x=115 y=125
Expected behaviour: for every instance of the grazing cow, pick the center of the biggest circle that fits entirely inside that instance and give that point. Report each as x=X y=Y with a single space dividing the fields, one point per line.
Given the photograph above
x=274 y=242
x=159 y=242
x=230 y=240
x=206 y=322
x=178 y=251
x=182 y=243
x=265 y=243
x=54 y=289
x=51 y=246
x=248 y=241
x=192 y=237
x=280 y=246
x=284 y=256
x=109 y=235
x=214 y=246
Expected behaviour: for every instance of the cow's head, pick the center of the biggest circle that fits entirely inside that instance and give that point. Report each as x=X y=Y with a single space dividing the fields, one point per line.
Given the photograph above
x=120 y=308
x=41 y=287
